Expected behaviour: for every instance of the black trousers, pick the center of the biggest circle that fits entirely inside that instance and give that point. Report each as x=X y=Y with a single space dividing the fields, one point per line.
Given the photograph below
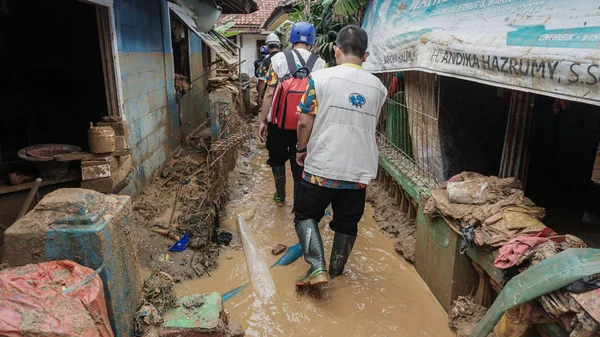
x=311 y=201
x=281 y=145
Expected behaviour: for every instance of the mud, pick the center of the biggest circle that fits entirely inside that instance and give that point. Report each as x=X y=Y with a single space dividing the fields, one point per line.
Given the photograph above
x=176 y=203
x=392 y=221
x=464 y=316
x=380 y=294
x=159 y=292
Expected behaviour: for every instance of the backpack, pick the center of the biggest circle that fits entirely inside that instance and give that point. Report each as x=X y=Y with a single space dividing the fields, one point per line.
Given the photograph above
x=257 y=64
x=290 y=90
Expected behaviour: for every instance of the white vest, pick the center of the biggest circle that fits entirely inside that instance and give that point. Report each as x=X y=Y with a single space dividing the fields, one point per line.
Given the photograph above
x=342 y=144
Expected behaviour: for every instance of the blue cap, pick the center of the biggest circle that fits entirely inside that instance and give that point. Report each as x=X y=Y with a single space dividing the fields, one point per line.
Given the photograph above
x=264 y=50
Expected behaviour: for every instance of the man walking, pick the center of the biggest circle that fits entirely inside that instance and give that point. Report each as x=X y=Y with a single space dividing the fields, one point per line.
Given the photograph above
x=278 y=119
x=274 y=46
x=337 y=147
x=262 y=53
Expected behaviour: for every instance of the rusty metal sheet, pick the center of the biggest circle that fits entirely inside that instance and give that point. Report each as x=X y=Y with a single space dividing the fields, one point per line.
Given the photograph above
x=550 y=47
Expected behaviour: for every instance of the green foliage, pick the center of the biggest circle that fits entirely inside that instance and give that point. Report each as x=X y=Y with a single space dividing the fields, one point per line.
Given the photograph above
x=324 y=16
x=346 y=7
x=224 y=30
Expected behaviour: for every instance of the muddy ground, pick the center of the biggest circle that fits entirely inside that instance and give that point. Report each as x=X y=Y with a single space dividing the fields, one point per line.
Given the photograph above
x=159 y=221
x=153 y=209
x=395 y=224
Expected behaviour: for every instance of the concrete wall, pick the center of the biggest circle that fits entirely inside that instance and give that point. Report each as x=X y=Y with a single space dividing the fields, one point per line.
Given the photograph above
x=250 y=51
x=156 y=121
x=146 y=73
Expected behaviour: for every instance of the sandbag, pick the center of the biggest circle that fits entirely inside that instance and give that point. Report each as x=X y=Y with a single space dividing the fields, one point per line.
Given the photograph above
x=33 y=302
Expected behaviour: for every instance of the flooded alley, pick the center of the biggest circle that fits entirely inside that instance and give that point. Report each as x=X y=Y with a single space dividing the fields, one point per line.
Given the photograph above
x=380 y=294
x=459 y=142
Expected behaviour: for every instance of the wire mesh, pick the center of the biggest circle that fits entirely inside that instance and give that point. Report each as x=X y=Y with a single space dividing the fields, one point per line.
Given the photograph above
x=408 y=126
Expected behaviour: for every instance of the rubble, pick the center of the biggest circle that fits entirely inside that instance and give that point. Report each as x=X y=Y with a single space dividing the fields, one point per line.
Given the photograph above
x=186 y=196
x=159 y=292
x=200 y=315
x=464 y=315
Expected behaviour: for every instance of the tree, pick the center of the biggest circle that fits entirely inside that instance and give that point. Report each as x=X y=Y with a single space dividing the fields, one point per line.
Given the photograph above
x=347 y=7
x=327 y=22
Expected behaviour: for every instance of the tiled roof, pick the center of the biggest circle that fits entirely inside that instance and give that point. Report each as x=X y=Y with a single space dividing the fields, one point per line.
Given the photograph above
x=251 y=23
x=284 y=6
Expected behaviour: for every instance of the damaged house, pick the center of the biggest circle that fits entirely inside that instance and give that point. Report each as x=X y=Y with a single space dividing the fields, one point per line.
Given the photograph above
x=106 y=94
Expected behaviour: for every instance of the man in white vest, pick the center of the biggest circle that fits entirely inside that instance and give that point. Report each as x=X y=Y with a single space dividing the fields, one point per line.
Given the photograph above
x=338 y=150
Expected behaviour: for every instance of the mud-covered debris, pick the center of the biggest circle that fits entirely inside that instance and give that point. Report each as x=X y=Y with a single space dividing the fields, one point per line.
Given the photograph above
x=148 y=321
x=158 y=290
x=224 y=238
x=234 y=329
x=278 y=249
x=392 y=221
x=464 y=316
x=193 y=302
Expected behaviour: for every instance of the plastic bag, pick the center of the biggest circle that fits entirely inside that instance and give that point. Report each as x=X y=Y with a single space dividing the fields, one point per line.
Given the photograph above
x=33 y=302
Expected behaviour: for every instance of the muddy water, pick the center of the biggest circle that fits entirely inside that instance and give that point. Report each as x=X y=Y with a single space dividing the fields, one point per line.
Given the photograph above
x=379 y=295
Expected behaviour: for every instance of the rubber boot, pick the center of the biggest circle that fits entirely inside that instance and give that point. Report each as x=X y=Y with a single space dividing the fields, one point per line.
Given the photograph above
x=340 y=251
x=312 y=249
x=279 y=176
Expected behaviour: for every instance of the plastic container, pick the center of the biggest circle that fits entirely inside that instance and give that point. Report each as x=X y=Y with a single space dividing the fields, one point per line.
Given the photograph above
x=101 y=139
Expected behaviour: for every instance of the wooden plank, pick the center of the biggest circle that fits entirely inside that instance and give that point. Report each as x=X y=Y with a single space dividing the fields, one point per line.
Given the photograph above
x=27 y=186
x=89 y=155
x=485 y=260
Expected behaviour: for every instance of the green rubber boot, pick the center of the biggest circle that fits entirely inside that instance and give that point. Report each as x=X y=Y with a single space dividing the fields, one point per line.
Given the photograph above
x=279 y=176
x=312 y=249
x=340 y=251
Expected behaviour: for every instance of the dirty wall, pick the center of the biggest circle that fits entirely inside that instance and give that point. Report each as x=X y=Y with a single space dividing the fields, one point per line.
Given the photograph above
x=249 y=51
x=193 y=106
x=148 y=85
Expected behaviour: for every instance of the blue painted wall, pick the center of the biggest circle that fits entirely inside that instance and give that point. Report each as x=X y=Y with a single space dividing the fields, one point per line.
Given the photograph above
x=146 y=70
x=193 y=107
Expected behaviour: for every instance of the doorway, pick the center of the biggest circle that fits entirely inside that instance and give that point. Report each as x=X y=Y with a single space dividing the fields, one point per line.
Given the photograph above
x=57 y=77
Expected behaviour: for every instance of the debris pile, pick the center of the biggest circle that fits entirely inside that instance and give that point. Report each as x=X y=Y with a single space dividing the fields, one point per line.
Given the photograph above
x=503 y=219
x=162 y=314
x=159 y=292
x=216 y=83
x=464 y=316
x=185 y=198
x=252 y=85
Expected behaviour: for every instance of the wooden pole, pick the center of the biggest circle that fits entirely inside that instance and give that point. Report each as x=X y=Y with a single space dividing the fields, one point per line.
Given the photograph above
x=30 y=196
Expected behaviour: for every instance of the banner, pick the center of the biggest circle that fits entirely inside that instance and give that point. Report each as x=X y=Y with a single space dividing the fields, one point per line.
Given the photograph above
x=550 y=47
